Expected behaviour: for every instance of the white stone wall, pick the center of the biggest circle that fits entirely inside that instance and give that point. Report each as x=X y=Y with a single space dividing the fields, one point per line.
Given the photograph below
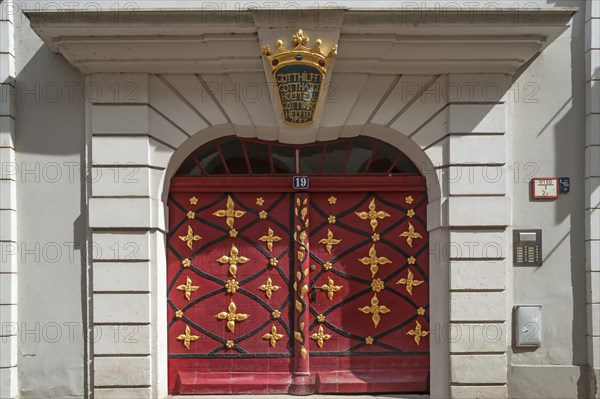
x=548 y=135
x=126 y=232
x=137 y=139
x=49 y=120
x=8 y=208
x=476 y=211
x=592 y=192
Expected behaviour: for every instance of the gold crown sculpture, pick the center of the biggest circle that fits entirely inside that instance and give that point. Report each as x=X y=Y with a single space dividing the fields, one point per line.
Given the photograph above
x=299 y=54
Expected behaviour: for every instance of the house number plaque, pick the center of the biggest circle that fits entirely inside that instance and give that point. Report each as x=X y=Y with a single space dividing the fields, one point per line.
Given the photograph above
x=544 y=187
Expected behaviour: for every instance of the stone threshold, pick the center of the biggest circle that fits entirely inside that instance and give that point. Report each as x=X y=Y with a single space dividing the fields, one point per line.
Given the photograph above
x=340 y=396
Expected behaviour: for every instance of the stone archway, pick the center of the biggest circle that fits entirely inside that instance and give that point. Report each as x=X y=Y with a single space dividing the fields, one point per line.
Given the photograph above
x=402 y=365
x=149 y=139
x=439 y=278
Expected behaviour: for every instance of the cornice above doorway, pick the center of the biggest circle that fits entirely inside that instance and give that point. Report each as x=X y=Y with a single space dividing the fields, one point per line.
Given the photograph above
x=381 y=41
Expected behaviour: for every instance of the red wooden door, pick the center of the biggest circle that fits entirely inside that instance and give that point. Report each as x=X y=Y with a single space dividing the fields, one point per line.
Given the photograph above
x=369 y=297
x=228 y=295
x=327 y=291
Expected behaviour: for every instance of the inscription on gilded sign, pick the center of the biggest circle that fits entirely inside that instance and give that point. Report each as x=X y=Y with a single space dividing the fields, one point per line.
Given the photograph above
x=299 y=87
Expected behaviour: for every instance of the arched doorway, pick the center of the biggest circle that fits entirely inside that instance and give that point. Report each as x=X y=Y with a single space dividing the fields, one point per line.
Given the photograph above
x=273 y=289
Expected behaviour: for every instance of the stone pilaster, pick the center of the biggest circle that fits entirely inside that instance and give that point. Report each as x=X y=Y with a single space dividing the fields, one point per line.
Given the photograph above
x=127 y=239
x=8 y=208
x=592 y=194
x=476 y=211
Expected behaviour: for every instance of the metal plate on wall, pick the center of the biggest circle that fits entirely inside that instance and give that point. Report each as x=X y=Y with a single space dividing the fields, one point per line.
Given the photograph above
x=527 y=247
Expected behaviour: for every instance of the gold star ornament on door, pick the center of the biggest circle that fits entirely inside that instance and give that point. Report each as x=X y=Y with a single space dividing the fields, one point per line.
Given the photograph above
x=188 y=288
x=373 y=215
x=373 y=261
x=187 y=337
x=410 y=234
x=417 y=333
x=234 y=258
x=270 y=238
x=273 y=336
x=331 y=288
x=329 y=241
x=190 y=238
x=375 y=310
x=231 y=316
x=410 y=282
x=320 y=337
x=230 y=213
x=269 y=288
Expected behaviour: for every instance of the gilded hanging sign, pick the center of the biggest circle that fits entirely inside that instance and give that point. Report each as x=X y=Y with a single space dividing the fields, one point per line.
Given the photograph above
x=299 y=74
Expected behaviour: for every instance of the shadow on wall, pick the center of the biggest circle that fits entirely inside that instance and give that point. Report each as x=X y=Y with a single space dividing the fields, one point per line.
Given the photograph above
x=51 y=174
x=567 y=128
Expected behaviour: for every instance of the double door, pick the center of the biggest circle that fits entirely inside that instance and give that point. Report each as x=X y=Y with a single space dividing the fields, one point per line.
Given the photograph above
x=275 y=291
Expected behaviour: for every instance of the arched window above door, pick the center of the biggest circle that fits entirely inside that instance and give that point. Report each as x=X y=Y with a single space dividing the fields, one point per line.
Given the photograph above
x=245 y=156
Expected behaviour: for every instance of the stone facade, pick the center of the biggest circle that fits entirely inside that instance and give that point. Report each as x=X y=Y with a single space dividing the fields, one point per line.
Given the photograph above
x=149 y=103
x=592 y=190
x=8 y=210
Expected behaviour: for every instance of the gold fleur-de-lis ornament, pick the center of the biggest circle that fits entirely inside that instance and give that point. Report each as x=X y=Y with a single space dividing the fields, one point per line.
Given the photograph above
x=320 y=337
x=234 y=258
x=373 y=261
x=187 y=337
x=410 y=234
x=329 y=241
x=270 y=238
x=299 y=38
x=417 y=333
x=230 y=213
x=190 y=238
x=410 y=282
x=188 y=288
x=373 y=214
x=231 y=316
x=268 y=288
x=273 y=336
x=375 y=309
x=331 y=288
